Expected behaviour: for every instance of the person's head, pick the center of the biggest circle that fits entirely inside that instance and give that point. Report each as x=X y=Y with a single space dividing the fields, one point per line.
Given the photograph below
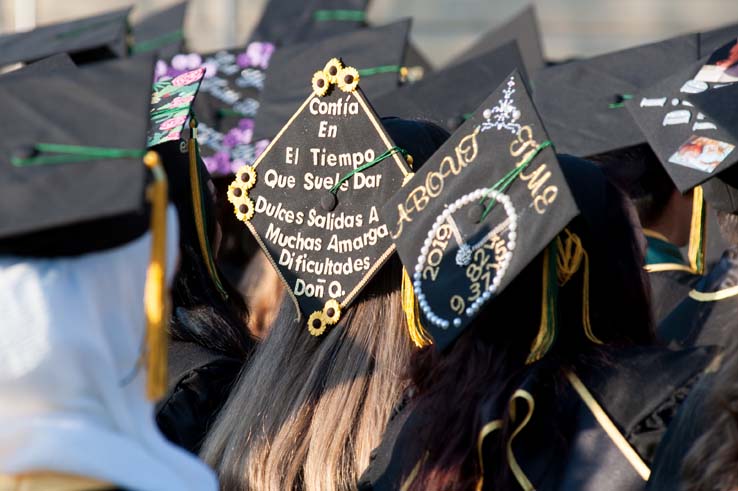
x=721 y=193
x=307 y=411
x=206 y=309
x=490 y=357
x=660 y=205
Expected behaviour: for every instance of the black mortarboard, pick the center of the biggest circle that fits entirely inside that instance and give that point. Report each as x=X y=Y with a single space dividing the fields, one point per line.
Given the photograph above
x=313 y=198
x=72 y=176
x=691 y=147
x=286 y=22
x=581 y=102
x=162 y=32
x=711 y=40
x=449 y=96
x=416 y=64
x=523 y=28
x=376 y=52
x=478 y=212
x=171 y=105
x=60 y=63
x=86 y=40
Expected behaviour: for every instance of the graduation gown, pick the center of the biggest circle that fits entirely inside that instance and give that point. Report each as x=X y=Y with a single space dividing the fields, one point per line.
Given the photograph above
x=200 y=381
x=708 y=315
x=594 y=430
x=669 y=274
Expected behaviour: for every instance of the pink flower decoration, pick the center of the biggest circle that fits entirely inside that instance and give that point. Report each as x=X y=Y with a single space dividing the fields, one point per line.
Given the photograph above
x=188 y=78
x=173 y=135
x=172 y=123
x=181 y=100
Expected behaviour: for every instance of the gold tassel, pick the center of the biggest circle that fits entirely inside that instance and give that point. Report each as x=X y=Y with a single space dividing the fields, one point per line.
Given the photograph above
x=547 y=329
x=698 y=233
x=197 y=209
x=571 y=255
x=156 y=297
x=418 y=334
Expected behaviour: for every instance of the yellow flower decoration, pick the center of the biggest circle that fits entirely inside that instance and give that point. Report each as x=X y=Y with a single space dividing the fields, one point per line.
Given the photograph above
x=244 y=209
x=316 y=323
x=246 y=177
x=320 y=83
x=348 y=79
x=332 y=311
x=236 y=192
x=332 y=69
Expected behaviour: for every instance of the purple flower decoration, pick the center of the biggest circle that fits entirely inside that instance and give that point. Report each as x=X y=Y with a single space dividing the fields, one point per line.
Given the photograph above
x=259 y=147
x=246 y=124
x=219 y=164
x=257 y=54
x=211 y=68
x=235 y=165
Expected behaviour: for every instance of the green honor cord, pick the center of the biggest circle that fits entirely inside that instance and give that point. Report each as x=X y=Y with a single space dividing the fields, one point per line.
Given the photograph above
x=368 y=72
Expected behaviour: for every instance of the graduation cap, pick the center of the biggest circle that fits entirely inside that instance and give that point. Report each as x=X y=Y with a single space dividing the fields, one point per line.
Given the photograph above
x=376 y=52
x=162 y=31
x=86 y=40
x=416 y=64
x=711 y=40
x=313 y=198
x=522 y=28
x=449 y=96
x=53 y=64
x=228 y=102
x=478 y=212
x=73 y=180
x=286 y=22
x=581 y=102
x=171 y=102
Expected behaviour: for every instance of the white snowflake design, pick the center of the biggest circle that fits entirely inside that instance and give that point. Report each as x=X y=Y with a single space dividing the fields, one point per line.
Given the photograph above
x=505 y=114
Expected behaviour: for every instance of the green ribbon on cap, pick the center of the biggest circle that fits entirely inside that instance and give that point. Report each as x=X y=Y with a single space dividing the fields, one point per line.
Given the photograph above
x=157 y=42
x=339 y=15
x=504 y=183
x=65 y=154
x=363 y=167
x=368 y=72
x=223 y=112
x=618 y=105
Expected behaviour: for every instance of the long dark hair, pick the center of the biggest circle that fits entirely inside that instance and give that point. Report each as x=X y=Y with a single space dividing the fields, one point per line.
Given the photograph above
x=201 y=312
x=488 y=361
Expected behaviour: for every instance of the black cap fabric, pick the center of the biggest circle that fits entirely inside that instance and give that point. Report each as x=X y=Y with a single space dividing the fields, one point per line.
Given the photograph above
x=66 y=201
x=478 y=212
x=326 y=245
x=376 y=52
x=60 y=63
x=713 y=39
x=171 y=105
x=86 y=40
x=581 y=102
x=522 y=28
x=161 y=32
x=449 y=96
x=286 y=22
x=690 y=145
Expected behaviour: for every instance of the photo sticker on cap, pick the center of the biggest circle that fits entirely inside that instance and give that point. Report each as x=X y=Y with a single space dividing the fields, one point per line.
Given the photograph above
x=479 y=211
x=701 y=153
x=722 y=67
x=313 y=199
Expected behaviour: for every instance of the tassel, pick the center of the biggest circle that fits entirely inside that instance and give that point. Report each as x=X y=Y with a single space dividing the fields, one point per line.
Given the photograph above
x=418 y=334
x=571 y=255
x=156 y=297
x=698 y=233
x=547 y=330
x=198 y=209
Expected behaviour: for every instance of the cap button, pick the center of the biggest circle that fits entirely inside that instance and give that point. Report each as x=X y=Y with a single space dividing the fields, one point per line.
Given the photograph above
x=25 y=152
x=328 y=202
x=475 y=213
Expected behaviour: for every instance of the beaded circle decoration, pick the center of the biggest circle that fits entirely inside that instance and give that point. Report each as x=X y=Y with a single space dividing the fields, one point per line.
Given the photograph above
x=440 y=234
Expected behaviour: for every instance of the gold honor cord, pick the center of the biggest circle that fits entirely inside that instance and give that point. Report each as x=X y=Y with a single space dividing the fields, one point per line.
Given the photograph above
x=714 y=296
x=51 y=481
x=156 y=297
x=418 y=334
x=490 y=427
x=606 y=423
x=697 y=234
x=660 y=267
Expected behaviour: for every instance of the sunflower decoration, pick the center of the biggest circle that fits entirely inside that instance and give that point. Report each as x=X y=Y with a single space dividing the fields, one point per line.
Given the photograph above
x=244 y=209
x=348 y=79
x=320 y=83
x=246 y=177
x=236 y=193
x=317 y=323
x=332 y=69
x=332 y=311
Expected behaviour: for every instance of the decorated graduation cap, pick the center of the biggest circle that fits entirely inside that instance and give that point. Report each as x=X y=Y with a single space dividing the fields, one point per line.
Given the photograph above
x=376 y=53
x=449 y=96
x=73 y=180
x=313 y=198
x=286 y=22
x=86 y=40
x=582 y=102
x=171 y=101
x=161 y=32
x=522 y=28
x=478 y=212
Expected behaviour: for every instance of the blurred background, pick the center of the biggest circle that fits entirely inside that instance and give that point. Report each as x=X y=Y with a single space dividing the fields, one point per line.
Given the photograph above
x=441 y=29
